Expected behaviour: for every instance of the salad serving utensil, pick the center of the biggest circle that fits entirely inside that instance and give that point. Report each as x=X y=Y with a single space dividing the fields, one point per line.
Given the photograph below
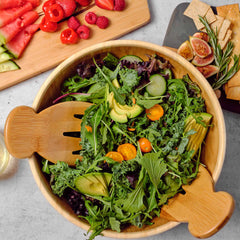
x=47 y=133
x=53 y=133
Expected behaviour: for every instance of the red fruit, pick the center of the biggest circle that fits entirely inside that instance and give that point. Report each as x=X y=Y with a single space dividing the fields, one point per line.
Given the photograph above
x=200 y=62
x=91 y=18
x=34 y=3
x=17 y=45
x=48 y=4
x=83 y=3
x=102 y=22
x=48 y=26
x=73 y=23
x=54 y=13
x=69 y=36
x=185 y=50
x=209 y=70
x=68 y=6
x=200 y=47
x=83 y=32
x=202 y=35
x=105 y=4
x=11 y=4
x=119 y=5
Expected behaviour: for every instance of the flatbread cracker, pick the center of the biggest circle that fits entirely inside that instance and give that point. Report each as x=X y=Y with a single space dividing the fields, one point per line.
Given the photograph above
x=216 y=25
x=223 y=11
x=224 y=42
x=210 y=16
x=224 y=28
x=233 y=93
x=196 y=8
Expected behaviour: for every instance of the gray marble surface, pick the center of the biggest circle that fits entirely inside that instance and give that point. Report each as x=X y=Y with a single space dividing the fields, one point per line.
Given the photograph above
x=24 y=212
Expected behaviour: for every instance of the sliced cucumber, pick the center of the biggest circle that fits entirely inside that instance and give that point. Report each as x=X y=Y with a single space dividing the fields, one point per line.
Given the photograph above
x=5 y=57
x=131 y=58
x=2 y=49
x=8 y=66
x=157 y=86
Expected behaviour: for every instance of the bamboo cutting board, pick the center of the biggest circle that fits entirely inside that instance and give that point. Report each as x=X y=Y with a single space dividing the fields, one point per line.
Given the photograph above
x=45 y=50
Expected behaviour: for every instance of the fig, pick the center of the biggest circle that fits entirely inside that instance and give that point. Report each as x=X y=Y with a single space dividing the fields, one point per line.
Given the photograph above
x=202 y=35
x=185 y=50
x=209 y=70
x=200 y=47
x=200 y=62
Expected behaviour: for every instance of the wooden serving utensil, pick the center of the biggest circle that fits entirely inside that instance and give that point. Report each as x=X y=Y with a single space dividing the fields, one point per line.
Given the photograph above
x=46 y=132
x=205 y=210
x=27 y=132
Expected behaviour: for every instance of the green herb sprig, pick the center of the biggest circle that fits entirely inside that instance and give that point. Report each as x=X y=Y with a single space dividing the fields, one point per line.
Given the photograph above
x=222 y=58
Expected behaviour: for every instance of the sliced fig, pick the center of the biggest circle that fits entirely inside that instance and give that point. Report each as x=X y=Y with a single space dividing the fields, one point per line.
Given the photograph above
x=185 y=50
x=202 y=35
x=209 y=70
x=200 y=62
x=200 y=47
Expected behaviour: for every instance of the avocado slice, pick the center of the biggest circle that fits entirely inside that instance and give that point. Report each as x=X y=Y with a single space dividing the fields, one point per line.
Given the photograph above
x=130 y=111
x=115 y=116
x=196 y=139
x=94 y=184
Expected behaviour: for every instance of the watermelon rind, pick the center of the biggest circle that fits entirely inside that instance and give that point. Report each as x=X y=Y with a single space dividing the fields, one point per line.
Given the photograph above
x=8 y=66
x=5 y=57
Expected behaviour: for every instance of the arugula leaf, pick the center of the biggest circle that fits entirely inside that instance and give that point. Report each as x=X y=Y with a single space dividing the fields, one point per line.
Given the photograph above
x=155 y=167
x=115 y=224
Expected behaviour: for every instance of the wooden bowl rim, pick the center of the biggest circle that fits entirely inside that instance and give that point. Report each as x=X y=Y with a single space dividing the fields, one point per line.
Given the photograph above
x=175 y=57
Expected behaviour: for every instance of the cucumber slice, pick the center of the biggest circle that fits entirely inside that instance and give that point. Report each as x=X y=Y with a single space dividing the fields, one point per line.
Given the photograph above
x=131 y=58
x=168 y=72
x=157 y=86
x=8 y=66
x=5 y=57
x=2 y=49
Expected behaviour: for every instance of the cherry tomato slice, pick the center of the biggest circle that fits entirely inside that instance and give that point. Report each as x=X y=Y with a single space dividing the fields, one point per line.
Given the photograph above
x=48 y=26
x=48 y=4
x=69 y=36
x=54 y=13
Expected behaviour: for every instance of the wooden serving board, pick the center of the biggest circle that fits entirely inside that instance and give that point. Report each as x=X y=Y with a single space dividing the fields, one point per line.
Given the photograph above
x=45 y=50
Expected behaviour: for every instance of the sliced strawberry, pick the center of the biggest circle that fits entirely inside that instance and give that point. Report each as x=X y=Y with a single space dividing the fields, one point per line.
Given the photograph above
x=68 y=6
x=105 y=4
x=34 y=3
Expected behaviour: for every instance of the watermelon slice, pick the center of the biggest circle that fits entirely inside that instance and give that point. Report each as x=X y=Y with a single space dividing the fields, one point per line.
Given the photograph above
x=10 y=14
x=10 y=30
x=34 y=3
x=11 y=4
x=17 y=45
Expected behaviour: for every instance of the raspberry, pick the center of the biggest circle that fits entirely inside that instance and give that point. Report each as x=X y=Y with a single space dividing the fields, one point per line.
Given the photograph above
x=83 y=3
x=119 y=5
x=102 y=22
x=73 y=23
x=91 y=18
x=83 y=32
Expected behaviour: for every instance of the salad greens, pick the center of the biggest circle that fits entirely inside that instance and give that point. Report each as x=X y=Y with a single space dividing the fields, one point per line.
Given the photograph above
x=140 y=186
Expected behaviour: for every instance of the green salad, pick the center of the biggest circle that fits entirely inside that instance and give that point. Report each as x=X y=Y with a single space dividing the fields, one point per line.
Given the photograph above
x=140 y=140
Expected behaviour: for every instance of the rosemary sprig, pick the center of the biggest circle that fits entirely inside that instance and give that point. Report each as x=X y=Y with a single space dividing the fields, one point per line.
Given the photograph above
x=222 y=58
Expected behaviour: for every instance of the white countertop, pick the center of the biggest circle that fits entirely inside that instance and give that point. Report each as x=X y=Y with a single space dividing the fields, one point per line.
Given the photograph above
x=24 y=212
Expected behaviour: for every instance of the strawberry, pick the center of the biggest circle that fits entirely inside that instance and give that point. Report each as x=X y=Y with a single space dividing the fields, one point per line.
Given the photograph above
x=105 y=4
x=119 y=5
x=68 y=6
x=83 y=3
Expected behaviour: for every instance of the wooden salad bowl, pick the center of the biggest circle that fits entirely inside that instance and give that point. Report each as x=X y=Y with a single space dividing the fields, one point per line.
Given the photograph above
x=213 y=152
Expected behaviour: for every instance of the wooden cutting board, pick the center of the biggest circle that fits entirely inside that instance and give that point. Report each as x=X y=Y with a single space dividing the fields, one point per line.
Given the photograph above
x=45 y=50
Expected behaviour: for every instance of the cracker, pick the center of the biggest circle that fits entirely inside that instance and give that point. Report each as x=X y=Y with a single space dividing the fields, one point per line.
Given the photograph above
x=224 y=42
x=210 y=16
x=233 y=93
x=224 y=28
x=196 y=8
x=216 y=25
x=231 y=9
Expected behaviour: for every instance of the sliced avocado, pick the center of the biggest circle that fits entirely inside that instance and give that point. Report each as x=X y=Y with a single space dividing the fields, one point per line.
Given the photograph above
x=110 y=97
x=196 y=139
x=121 y=118
x=130 y=111
x=94 y=184
x=116 y=83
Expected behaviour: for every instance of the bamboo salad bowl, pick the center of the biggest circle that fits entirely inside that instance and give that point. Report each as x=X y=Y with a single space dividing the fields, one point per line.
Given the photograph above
x=212 y=155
